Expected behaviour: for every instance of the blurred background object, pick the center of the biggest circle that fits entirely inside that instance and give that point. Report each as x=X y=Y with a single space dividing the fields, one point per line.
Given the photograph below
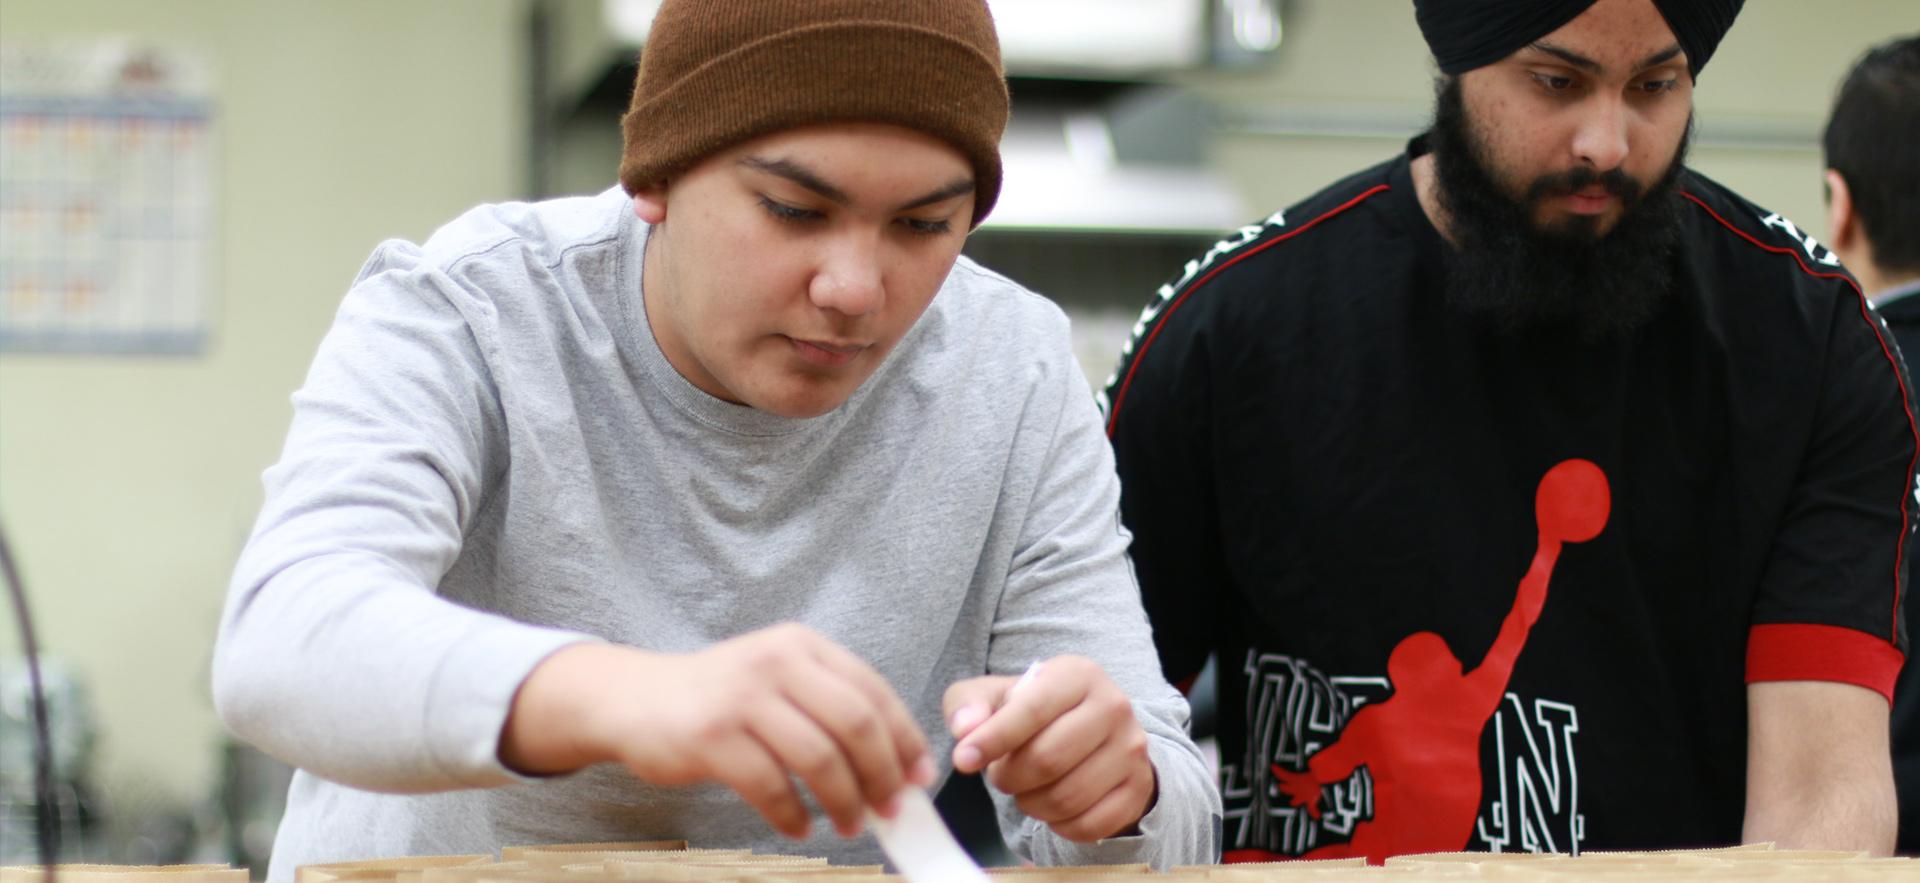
x=252 y=796
x=71 y=735
x=1143 y=131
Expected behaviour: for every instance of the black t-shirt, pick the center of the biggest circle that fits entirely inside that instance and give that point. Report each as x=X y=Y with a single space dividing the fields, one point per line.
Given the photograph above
x=1332 y=476
x=1903 y=317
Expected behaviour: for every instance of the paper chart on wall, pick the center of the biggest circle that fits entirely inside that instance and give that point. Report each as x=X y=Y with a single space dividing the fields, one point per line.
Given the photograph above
x=106 y=198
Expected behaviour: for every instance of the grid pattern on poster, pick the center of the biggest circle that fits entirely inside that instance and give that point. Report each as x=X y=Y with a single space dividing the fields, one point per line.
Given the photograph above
x=106 y=221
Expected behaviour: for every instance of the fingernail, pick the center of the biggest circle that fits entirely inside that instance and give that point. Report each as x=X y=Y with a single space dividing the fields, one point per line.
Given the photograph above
x=966 y=757
x=889 y=807
x=924 y=772
x=968 y=717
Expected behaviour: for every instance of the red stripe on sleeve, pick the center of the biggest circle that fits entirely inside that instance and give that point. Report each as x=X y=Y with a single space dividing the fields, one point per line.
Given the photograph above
x=1805 y=652
x=1906 y=491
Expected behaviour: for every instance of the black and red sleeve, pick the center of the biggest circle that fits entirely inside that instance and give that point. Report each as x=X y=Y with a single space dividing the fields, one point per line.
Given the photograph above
x=1828 y=606
x=1158 y=406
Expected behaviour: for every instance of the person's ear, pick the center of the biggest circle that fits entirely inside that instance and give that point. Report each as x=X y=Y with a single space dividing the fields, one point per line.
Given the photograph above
x=650 y=204
x=1843 y=226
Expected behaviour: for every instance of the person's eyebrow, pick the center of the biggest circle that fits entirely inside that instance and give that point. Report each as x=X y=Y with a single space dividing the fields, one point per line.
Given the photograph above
x=805 y=177
x=1587 y=64
x=1567 y=55
x=798 y=174
x=1659 y=58
x=956 y=187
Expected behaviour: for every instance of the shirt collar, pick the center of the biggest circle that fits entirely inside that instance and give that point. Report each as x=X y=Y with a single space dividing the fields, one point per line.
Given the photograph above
x=1898 y=292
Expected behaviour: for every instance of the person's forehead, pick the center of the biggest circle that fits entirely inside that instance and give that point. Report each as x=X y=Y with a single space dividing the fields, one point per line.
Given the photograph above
x=853 y=163
x=1616 y=33
x=842 y=134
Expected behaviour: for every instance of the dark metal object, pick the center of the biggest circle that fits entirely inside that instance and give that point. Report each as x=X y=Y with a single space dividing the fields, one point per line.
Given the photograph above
x=47 y=824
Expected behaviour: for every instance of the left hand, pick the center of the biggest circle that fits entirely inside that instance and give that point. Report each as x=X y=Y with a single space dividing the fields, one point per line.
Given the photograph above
x=1065 y=745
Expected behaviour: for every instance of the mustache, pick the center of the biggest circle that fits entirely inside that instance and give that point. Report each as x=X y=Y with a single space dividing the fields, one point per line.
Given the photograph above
x=1616 y=182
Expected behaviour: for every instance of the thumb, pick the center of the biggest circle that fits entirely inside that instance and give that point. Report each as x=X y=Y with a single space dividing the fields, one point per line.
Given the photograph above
x=969 y=702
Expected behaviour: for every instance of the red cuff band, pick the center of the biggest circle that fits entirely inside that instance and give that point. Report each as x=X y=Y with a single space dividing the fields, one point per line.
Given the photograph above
x=1242 y=856
x=1803 y=652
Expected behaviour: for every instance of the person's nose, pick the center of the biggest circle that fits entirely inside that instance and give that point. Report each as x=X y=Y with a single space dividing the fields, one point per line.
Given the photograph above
x=848 y=279
x=1601 y=139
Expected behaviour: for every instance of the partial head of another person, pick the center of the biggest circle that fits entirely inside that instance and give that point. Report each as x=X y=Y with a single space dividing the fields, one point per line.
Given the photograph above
x=810 y=170
x=1872 y=145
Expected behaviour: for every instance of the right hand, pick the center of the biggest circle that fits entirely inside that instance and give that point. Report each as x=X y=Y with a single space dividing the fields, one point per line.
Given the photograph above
x=751 y=713
x=1301 y=788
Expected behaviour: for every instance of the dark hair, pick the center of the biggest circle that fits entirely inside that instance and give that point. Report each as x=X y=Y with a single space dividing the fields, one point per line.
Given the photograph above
x=1873 y=141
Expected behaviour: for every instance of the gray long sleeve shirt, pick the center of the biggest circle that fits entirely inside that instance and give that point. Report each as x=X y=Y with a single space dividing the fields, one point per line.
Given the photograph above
x=491 y=459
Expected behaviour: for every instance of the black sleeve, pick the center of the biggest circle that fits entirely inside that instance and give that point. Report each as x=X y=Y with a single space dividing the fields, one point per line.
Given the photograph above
x=1828 y=604
x=1158 y=418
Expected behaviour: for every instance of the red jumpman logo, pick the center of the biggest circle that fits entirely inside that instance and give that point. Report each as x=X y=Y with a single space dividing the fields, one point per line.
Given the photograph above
x=1425 y=738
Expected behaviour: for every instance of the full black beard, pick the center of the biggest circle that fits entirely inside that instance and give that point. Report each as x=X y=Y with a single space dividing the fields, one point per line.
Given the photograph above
x=1523 y=275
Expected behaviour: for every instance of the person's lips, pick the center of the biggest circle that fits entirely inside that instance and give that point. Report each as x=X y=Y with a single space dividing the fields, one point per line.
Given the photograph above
x=827 y=353
x=1591 y=200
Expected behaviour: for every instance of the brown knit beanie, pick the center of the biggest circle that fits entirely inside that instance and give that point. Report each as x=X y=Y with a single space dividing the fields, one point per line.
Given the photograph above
x=715 y=73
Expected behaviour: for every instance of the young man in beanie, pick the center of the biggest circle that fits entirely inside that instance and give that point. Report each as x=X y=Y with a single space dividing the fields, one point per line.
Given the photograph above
x=1533 y=491
x=640 y=516
x=1873 y=222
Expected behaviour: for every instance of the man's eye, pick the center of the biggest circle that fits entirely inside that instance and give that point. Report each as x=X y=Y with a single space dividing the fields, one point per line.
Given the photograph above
x=927 y=228
x=1552 y=83
x=1654 y=87
x=784 y=212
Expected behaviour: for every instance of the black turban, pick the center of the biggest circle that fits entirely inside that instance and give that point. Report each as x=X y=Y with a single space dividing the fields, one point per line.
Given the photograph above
x=1466 y=34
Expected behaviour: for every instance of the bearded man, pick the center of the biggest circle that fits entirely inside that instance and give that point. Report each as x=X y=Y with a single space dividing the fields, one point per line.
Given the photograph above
x=1335 y=431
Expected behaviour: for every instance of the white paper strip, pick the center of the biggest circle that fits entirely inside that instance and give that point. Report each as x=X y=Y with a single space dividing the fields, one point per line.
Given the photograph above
x=918 y=842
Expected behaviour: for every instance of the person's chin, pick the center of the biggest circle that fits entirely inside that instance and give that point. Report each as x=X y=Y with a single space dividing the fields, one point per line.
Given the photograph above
x=799 y=397
x=1576 y=225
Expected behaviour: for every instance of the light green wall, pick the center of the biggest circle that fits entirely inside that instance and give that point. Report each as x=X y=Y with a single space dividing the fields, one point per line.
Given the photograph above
x=127 y=485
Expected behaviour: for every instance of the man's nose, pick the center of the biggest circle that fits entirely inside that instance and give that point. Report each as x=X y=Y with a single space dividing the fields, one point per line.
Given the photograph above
x=848 y=279
x=1601 y=139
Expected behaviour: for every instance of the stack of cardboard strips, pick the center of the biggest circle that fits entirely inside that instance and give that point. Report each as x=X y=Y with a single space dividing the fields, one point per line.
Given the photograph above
x=675 y=862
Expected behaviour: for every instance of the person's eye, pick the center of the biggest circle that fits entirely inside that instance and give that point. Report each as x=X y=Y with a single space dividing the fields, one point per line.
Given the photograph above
x=790 y=213
x=1655 y=87
x=925 y=227
x=1553 y=83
